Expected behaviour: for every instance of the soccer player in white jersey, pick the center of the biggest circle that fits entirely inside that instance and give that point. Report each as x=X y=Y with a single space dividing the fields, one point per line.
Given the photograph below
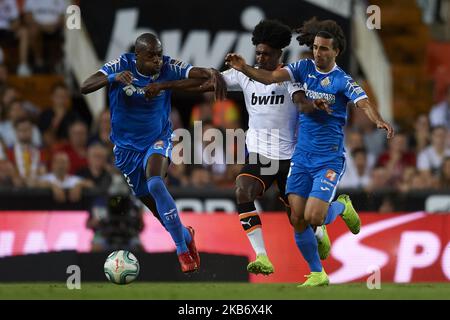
x=270 y=139
x=318 y=161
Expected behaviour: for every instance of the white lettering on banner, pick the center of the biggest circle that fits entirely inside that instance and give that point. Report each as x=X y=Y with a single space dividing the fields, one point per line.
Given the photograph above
x=6 y=243
x=355 y=261
x=446 y=261
x=198 y=47
x=408 y=256
x=66 y=241
x=35 y=243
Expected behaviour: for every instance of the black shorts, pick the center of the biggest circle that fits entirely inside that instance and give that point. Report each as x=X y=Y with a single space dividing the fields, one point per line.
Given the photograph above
x=254 y=169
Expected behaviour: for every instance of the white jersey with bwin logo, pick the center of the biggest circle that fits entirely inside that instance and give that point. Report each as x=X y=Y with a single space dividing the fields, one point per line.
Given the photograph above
x=273 y=117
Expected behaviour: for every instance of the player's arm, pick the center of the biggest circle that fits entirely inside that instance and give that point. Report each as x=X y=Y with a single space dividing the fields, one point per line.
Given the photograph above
x=192 y=85
x=264 y=76
x=99 y=80
x=306 y=105
x=214 y=78
x=373 y=114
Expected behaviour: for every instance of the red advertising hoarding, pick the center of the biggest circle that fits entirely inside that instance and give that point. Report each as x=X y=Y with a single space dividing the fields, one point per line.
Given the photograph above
x=404 y=247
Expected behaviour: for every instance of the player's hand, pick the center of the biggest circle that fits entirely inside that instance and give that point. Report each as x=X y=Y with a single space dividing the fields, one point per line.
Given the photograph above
x=152 y=90
x=125 y=77
x=386 y=126
x=220 y=86
x=322 y=104
x=235 y=61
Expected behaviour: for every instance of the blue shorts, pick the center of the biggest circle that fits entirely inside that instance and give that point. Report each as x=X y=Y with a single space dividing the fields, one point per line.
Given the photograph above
x=315 y=176
x=132 y=164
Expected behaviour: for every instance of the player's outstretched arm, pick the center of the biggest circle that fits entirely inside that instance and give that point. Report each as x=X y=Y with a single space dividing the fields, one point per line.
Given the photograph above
x=215 y=80
x=306 y=105
x=264 y=76
x=373 y=114
x=192 y=85
x=99 y=80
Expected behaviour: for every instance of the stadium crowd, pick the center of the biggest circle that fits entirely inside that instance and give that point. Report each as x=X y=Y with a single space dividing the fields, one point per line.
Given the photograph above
x=61 y=148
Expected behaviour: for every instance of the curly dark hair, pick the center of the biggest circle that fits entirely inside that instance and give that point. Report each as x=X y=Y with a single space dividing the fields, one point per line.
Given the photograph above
x=327 y=29
x=273 y=33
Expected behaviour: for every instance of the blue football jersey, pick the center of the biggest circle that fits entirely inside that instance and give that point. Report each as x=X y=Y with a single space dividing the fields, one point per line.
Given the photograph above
x=319 y=132
x=137 y=122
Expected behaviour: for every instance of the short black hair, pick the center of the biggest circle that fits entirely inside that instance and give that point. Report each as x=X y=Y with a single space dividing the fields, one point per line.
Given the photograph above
x=327 y=29
x=273 y=33
x=144 y=41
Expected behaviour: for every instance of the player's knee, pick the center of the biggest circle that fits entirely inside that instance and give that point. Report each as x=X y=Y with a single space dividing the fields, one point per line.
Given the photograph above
x=314 y=217
x=297 y=221
x=245 y=194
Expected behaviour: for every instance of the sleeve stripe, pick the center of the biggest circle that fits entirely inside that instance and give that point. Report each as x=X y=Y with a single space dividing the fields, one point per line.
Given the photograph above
x=290 y=74
x=103 y=71
x=187 y=72
x=360 y=98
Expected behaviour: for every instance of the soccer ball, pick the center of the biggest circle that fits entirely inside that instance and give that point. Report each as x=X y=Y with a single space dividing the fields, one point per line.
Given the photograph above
x=121 y=267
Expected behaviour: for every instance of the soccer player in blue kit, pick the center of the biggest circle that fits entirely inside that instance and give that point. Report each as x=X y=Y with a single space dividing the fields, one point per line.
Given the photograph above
x=318 y=161
x=141 y=130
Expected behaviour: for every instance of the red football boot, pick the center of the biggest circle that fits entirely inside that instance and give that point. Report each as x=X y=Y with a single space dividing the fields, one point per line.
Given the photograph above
x=187 y=263
x=192 y=248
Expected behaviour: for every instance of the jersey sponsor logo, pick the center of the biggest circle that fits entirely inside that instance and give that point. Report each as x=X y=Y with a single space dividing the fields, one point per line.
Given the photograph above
x=265 y=100
x=331 y=98
x=330 y=175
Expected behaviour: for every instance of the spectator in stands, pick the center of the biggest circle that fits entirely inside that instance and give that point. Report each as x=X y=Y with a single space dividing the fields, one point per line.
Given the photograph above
x=374 y=139
x=397 y=158
x=8 y=175
x=209 y=151
x=430 y=159
x=421 y=138
x=358 y=174
x=96 y=170
x=53 y=122
x=200 y=177
x=444 y=175
x=65 y=187
x=101 y=132
x=3 y=77
x=76 y=147
x=15 y=111
x=440 y=113
x=379 y=180
x=11 y=28
x=44 y=19
x=26 y=156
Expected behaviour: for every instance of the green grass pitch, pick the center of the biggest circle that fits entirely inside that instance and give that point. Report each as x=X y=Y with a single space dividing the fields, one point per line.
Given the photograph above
x=225 y=291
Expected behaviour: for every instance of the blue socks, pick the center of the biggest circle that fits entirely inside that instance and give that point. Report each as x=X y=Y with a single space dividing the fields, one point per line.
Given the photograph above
x=168 y=212
x=335 y=209
x=307 y=243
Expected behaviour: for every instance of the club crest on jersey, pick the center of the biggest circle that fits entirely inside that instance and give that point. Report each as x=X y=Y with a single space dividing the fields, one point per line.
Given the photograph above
x=159 y=145
x=325 y=82
x=330 y=175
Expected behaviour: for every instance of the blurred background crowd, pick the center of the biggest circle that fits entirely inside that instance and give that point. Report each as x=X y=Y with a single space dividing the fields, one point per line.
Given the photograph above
x=50 y=139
